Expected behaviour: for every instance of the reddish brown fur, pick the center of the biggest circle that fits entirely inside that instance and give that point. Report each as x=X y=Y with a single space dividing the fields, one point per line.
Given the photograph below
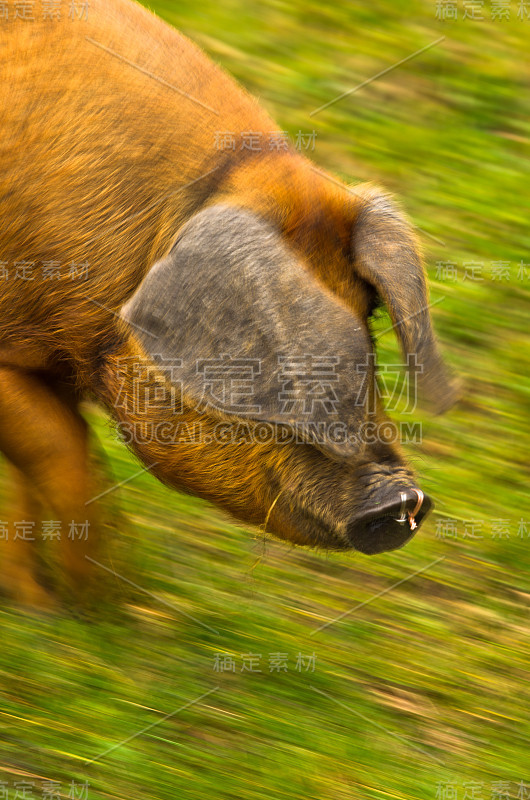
x=101 y=162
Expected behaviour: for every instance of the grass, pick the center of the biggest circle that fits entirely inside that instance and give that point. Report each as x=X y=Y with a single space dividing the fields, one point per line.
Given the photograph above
x=427 y=683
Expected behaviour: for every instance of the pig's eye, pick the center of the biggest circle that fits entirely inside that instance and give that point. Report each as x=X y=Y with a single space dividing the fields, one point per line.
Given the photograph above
x=371 y=332
x=375 y=305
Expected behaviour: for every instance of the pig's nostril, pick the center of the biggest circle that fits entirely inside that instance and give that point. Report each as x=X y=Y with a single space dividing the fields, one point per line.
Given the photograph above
x=391 y=523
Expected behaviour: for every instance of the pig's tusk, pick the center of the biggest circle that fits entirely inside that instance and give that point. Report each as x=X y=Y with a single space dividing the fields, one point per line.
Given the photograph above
x=402 y=512
x=412 y=522
x=419 y=504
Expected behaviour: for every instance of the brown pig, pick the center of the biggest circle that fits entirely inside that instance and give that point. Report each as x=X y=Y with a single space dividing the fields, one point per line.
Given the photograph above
x=149 y=268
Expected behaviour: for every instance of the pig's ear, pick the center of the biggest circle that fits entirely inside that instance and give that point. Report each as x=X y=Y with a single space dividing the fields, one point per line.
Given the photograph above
x=252 y=335
x=386 y=255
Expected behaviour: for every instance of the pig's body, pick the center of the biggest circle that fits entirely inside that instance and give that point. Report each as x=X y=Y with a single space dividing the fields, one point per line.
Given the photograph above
x=111 y=131
x=100 y=162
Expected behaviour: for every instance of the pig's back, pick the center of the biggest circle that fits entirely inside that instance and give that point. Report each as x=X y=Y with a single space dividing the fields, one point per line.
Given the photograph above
x=108 y=144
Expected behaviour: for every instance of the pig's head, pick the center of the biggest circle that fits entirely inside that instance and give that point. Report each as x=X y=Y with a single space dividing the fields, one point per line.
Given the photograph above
x=268 y=404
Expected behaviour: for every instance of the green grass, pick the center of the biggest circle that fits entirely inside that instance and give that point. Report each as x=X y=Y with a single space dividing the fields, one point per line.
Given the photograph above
x=427 y=683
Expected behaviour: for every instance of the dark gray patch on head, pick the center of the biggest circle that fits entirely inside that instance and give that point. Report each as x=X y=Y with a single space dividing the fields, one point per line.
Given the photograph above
x=231 y=289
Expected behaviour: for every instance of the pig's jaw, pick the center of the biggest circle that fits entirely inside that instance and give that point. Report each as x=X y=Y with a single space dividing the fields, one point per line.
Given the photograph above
x=293 y=492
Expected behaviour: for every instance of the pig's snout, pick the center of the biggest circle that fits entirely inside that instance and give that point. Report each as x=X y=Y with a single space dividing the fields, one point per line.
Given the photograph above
x=389 y=523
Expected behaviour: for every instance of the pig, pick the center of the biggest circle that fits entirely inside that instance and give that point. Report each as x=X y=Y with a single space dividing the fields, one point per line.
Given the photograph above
x=138 y=254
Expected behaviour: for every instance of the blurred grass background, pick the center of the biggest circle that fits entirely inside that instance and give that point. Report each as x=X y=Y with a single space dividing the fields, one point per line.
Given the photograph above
x=426 y=686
